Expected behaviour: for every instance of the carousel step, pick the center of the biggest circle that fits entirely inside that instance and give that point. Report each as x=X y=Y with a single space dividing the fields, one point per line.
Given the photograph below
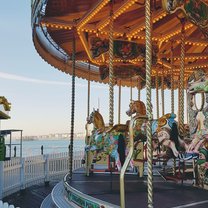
x=48 y=202
x=58 y=196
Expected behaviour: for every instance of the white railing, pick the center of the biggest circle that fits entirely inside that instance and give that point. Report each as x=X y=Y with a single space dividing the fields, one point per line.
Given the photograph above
x=5 y=205
x=33 y=170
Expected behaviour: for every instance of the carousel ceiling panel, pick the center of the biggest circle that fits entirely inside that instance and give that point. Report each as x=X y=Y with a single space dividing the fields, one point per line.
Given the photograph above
x=62 y=7
x=90 y=19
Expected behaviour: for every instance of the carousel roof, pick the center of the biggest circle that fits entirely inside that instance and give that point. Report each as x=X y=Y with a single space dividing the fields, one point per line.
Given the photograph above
x=56 y=22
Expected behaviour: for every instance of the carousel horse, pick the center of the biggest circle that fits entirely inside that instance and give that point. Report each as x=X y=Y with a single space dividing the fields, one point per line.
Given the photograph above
x=164 y=130
x=198 y=84
x=106 y=140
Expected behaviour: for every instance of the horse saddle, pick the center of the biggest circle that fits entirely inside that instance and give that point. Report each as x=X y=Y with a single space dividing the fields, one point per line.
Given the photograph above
x=117 y=128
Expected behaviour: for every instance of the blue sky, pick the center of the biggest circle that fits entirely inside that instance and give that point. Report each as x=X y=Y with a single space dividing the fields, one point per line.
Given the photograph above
x=40 y=94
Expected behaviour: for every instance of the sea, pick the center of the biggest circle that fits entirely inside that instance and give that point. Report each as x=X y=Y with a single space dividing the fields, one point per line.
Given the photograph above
x=49 y=146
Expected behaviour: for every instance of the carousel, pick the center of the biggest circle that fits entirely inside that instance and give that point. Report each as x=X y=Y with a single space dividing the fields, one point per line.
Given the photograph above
x=152 y=44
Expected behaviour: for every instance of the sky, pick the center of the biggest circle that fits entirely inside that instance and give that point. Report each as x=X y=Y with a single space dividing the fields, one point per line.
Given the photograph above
x=41 y=94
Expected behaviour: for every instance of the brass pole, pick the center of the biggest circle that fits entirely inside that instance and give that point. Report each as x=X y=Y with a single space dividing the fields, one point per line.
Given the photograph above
x=179 y=100
x=87 y=137
x=72 y=106
x=172 y=97
x=181 y=92
x=128 y=158
x=111 y=74
x=172 y=80
x=162 y=94
x=157 y=97
x=148 y=98
x=88 y=91
x=119 y=103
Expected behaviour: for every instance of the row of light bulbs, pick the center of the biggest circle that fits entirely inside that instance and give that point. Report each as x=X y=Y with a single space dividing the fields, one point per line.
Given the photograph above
x=167 y=37
x=58 y=26
x=92 y=14
x=133 y=35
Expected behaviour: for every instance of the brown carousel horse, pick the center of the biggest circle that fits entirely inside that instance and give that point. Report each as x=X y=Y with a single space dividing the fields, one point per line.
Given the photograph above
x=164 y=130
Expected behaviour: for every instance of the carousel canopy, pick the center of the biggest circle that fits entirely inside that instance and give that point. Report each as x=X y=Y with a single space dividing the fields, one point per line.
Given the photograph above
x=56 y=22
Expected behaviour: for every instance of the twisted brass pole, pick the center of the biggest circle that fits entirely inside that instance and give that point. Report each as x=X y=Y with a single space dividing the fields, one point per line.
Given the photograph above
x=181 y=92
x=148 y=98
x=157 y=96
x=88 y=91
x=162 y=94
x=172 y=80
x=111 y=74
x=179 y=100
x=72 y=107
x=172 y=97
x=119 y=103
x=87 y=129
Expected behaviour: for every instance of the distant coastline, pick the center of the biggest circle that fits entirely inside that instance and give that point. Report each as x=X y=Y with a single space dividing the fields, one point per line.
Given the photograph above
x=26 y=138
x=57 y=136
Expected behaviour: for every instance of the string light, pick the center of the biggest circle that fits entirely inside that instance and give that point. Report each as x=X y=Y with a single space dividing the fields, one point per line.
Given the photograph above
x=165 y=38
x=91 y=14
x=57 y=26
x=141 y=28
x=117 y=13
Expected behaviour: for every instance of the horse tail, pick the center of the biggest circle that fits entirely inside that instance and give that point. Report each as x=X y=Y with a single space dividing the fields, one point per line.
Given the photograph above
x=174 y=135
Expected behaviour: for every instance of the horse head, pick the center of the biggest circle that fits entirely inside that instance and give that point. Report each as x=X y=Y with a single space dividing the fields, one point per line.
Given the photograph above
x=90 y=118
x=137 y=107
x=96 y=118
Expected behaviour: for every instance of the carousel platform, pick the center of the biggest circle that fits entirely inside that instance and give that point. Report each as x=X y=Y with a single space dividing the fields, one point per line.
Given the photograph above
x=99 y=188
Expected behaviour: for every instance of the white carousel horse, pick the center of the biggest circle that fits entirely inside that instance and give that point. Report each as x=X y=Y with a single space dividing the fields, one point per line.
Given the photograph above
x=198 y=84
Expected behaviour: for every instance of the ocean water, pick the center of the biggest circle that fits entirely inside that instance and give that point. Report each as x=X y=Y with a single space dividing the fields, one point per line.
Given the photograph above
x=31 y=148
